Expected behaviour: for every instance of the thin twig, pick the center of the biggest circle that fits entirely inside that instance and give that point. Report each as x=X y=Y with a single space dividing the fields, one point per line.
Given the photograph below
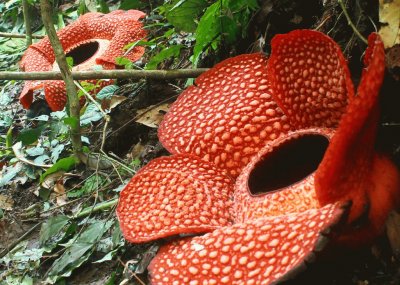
x=105 y=74
x=104 y=134
x=20 y=36
x=106 y=117
x=361 y=37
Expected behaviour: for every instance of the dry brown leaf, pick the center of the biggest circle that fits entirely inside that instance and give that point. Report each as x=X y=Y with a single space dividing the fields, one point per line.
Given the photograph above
x=52 y=178
x=6 y=202
x=152 y=116
x=389 y=16
x=137 y=150
x=393 y=231
x=116 y=100
x=61 y=198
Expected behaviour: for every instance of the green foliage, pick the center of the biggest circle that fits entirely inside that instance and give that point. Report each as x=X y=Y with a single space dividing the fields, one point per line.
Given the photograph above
x=224 y=20
x=64 y=164
x=93 y=183
x=29 y=136
x=183 y=14
x=51 y=232
x=91 y=114
x=77 y=251
x=131 y=4
x=167 y=53
x=106 y=92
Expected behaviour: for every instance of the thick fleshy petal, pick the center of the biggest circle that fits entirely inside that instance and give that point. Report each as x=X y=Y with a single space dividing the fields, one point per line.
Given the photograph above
x=310 y=78
x=255 y=252
x=121 y=39
x=174 y=195
x=32 y=60
x=227 y=116
x=54 y=93
x=112 y=31
x=279 y=180
x=351 y=170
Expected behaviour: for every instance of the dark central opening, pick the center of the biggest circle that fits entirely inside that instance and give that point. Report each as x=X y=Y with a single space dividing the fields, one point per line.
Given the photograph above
x=288 y=163
x=83 y=52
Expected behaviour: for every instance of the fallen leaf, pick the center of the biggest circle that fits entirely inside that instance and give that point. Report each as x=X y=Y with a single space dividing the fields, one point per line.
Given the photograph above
x=152 y=116
x=393 y=61
x=116 y=100
x=393 y=231
x=137 y=150
x=61 y=198
x=6 y=202
x=50 y=180
x=389 y=16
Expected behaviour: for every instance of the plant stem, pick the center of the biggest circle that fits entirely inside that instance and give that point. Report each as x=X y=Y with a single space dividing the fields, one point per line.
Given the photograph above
x=106 y=74
x=99 y=207
x=351 y=23
x=73 y=100
x=27 y=22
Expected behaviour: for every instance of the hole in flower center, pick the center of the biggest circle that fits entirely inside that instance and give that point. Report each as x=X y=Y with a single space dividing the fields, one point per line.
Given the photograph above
x=83 y=52
x=288 y=163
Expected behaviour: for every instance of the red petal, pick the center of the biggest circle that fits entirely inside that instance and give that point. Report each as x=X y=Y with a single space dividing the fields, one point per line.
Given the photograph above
x=292 y=197
x=310 y=78
x=118 y=27
x=174 y=195
x=256 y=252
x=26 y=96
x=128 y=31
x=351 y=170
x=32 y=60
x=227 y=116
x=54 y=93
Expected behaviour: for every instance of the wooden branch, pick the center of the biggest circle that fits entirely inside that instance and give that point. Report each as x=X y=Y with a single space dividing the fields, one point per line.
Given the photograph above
x=106 y=74
x=73 y=99
x=19 y=36
x=27 y=22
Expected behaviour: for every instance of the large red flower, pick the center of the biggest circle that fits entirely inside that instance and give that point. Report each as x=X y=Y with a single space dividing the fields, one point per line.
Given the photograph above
x=94 y=39
x=302 y=168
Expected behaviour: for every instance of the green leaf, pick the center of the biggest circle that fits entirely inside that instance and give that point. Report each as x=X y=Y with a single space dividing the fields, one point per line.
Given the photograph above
x=35 y=151
x=123 y=61
x=106 y=92
x=70 y=61
x=92 y=114
x=103 y=6
x=64 y=164
x=9 y=173
x=131 y=4
x=56 y=151
x=224 y=20
x=78 y=251
x=183 y=14
x=91 y=184
x=51 y=232
x=72 y=122
x=29 y=136
x=172 y=51
x=207 y=31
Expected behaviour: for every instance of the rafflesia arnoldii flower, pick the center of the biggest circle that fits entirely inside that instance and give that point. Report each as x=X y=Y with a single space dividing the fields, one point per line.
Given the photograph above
x=93 y=39
x=269 y=156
